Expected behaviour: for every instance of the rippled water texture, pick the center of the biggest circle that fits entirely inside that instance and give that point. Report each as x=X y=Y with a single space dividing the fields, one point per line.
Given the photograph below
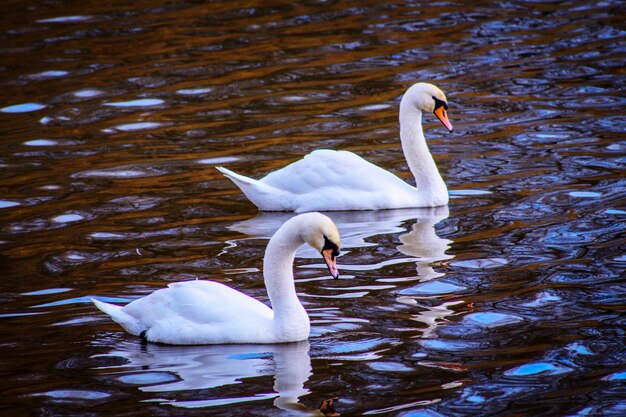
x=510 y=301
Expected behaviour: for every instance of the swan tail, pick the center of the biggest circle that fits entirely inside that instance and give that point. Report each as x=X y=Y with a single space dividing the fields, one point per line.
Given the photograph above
x=118 y=315
x=239 y=180
x=264 y=196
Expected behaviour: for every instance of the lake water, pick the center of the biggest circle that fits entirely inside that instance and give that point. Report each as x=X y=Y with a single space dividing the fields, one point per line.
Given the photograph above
x=510 y=301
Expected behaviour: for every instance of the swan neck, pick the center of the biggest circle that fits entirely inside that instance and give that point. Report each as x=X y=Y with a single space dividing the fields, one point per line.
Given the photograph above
x=278 y=274
x=418 y=156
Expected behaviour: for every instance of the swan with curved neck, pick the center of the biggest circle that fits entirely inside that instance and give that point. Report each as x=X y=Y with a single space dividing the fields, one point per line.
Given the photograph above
x=341 y=180
x=206 y=312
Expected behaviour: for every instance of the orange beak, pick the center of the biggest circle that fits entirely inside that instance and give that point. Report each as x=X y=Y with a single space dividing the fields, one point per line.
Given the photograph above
x=442 y=115
x=331 y=262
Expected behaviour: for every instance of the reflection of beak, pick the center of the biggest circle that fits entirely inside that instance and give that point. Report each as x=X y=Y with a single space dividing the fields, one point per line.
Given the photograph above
x=443 y=117
x=331 y=262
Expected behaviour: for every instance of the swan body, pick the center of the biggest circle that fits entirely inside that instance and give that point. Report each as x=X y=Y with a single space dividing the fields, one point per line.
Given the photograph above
x=207 y=312
x=341 y=180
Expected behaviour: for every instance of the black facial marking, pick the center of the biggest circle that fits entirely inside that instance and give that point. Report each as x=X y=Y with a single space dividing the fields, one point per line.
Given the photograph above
x=143 y=336
x=330 y=245
x=439 y=103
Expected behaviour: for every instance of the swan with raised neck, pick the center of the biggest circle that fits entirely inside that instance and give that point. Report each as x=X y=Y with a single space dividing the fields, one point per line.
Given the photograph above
x=430 y=188
x=207 y=312
x=341 y=180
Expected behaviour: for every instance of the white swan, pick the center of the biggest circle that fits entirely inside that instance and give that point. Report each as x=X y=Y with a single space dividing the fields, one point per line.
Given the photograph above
x=342 y=180
x=207 y=312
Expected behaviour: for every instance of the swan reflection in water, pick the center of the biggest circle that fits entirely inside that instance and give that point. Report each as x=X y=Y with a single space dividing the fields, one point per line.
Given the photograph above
x=423 y=243
x=211 y=368
x=357 y=226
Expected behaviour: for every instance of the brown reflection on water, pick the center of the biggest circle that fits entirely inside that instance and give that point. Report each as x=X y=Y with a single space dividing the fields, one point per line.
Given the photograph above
x=113 y=116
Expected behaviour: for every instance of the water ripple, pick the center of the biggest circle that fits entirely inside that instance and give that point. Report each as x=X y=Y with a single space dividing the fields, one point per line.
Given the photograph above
x=23 y=108
x=120 y=172
x=74 y=394
x=538 y=368
x=143 y=102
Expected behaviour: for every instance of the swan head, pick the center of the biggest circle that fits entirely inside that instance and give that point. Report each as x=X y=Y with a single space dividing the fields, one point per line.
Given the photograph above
x=321 y=233
x=429 y=98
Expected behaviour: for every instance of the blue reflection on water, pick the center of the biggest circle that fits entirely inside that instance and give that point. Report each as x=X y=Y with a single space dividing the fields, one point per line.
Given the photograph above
x=585 y=194
x=65 y=19
x=8 y=203
x=22 y=108
x=47 y=291
x=147 y=378
x=433 y=287
x=75 y=394
x=41 y=142
x=447 y=344
x=491 y=319
x=130 y=127
x=144 y=102
x=617 y=376
x=535 y=368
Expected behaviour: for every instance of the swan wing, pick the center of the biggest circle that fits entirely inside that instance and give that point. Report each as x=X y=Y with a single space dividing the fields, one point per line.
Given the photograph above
x=198 y=302
x=327 y=168
x=193 y=312
x=339 y=180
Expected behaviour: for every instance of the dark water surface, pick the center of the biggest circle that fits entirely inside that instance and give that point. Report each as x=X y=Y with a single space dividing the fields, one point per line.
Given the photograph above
x=508 y=302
